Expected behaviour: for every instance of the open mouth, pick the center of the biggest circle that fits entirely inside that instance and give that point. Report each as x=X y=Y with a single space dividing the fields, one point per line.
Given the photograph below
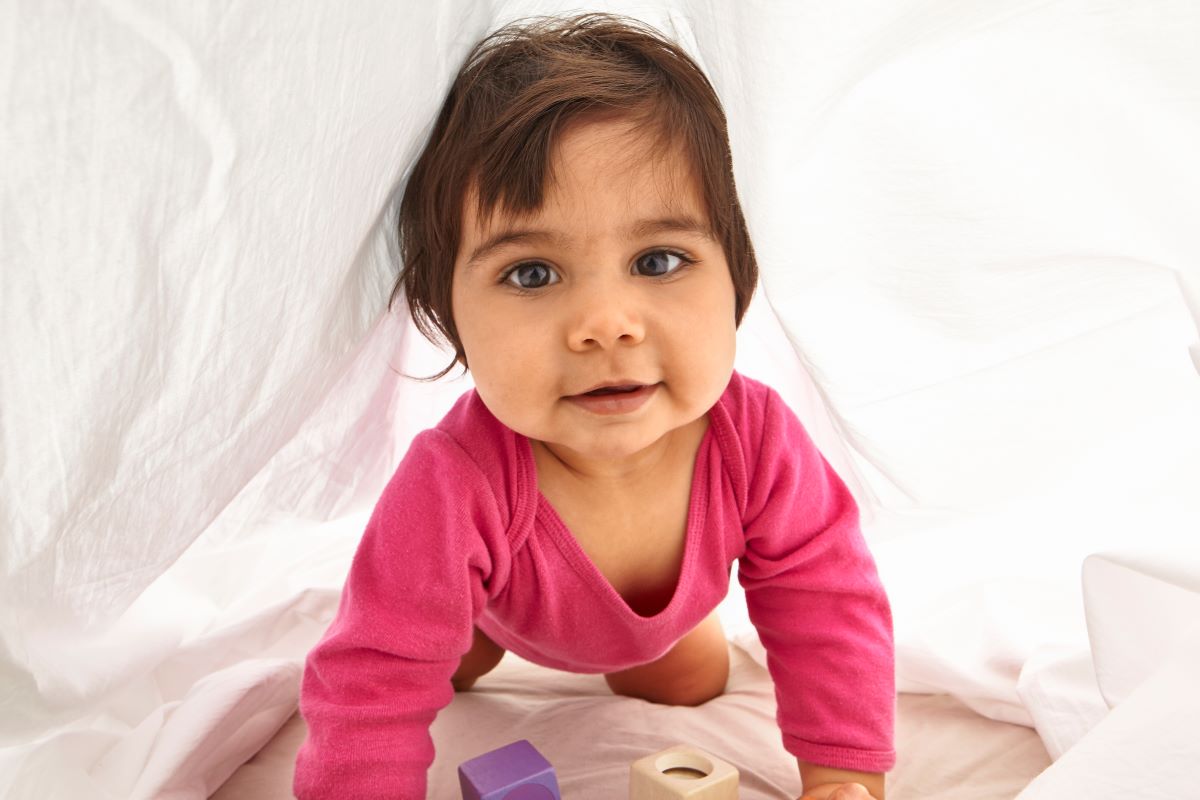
x=621 y=399
x=613 y=390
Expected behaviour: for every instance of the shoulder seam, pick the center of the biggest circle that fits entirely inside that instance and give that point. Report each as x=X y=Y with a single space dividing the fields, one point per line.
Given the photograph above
x=762 y=434
x=478 y=469
x=733 y=438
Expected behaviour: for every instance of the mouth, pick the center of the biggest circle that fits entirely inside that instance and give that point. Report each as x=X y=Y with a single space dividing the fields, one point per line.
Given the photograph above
x=614 y=398
x=611 y=388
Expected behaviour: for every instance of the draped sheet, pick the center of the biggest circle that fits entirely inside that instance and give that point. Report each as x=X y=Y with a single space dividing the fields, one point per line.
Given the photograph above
x=981 y=292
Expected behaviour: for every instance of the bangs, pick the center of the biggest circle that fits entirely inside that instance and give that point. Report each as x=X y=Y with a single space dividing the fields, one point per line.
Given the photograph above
x=508 y=185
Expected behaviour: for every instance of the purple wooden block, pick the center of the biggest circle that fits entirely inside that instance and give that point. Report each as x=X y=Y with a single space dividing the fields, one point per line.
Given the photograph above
x=516 y=771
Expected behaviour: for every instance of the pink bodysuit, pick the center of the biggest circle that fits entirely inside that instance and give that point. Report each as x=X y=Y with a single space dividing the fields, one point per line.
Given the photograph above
x=462 y=537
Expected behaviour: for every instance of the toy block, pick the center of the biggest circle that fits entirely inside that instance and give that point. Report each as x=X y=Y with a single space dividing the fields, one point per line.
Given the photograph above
x=682 y=772
x=516 y=771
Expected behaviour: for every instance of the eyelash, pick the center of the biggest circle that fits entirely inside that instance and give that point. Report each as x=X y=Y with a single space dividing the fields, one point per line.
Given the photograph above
x=686 y=262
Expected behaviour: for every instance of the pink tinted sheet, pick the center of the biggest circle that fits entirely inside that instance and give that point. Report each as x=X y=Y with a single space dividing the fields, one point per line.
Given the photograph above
x=946 y=751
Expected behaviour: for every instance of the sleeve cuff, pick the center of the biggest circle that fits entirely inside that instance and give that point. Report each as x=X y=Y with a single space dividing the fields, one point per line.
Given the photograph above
x=840 y=757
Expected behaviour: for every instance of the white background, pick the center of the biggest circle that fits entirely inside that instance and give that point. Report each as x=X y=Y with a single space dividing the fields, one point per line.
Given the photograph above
x=977 y=227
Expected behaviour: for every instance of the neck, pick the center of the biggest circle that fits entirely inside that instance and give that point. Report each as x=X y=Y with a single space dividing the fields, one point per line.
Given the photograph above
x=635 y=471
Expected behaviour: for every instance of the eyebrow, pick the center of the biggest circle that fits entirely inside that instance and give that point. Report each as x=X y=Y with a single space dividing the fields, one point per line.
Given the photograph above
x=685 y=224
x=508 y=238
x=647 y=227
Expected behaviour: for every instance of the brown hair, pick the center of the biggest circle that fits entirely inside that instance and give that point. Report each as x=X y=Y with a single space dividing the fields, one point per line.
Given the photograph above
x=496 y=132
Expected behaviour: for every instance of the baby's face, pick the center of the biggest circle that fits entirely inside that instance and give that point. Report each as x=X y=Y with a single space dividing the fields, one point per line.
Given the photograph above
x=614 y=280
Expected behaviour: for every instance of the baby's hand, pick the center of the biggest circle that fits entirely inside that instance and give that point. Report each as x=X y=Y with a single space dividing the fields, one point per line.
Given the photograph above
x=838 y=791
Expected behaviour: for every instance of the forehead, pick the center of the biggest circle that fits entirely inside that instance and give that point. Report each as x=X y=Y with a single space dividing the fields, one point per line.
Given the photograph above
x=608 y=171
x=620 y=153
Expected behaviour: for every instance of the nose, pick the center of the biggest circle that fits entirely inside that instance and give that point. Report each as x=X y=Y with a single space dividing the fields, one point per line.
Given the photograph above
x=606 y=316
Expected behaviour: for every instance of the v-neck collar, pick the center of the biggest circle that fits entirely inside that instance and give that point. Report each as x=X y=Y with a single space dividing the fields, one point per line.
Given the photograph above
x=579 y=560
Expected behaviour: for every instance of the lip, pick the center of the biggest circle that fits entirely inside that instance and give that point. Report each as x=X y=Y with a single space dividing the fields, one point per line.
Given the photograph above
x=623 y=403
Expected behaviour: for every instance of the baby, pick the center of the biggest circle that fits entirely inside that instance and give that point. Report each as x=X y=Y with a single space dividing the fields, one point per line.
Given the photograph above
x=573 y=231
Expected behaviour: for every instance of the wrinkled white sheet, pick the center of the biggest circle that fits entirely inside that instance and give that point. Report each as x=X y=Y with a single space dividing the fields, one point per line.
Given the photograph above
x=976 y=224
x=1143 y=615
x=938 y=740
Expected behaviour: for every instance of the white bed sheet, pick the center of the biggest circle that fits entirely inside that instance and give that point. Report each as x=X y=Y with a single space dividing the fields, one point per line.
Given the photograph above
x=947 y=751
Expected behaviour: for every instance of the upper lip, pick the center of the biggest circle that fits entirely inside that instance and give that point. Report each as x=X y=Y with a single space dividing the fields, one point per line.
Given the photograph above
x=607 y=384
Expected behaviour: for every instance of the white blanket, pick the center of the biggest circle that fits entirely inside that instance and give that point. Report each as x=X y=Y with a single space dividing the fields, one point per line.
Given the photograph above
x=981 y=286
x=591 y=737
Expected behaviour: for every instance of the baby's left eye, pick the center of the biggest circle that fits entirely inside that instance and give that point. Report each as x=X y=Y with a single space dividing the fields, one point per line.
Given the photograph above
x=660 y=262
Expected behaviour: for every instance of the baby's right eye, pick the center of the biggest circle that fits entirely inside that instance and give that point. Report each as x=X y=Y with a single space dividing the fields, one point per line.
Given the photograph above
x=532 y=275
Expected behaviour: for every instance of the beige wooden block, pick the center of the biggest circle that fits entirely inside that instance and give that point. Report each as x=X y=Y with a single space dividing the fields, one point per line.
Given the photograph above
x=682 y=771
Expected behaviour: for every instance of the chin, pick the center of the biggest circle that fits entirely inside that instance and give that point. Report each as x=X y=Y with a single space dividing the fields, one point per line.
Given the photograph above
x=608 y=446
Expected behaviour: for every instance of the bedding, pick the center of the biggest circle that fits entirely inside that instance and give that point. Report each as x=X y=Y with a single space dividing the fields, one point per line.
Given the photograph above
x=980 y=294
x=1143 y=616
x=947 y=752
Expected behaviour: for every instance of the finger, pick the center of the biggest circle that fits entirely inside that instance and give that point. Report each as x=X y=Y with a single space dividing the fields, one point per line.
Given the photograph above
x=851 y=791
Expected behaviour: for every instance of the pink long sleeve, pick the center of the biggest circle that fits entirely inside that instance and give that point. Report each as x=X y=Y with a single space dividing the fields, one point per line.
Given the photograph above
x=375 y=682
x=462 y=537
x=817 y=602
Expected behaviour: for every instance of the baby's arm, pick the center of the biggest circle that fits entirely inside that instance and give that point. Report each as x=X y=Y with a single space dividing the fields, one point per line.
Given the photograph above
x=381 y=673
x=820 y=610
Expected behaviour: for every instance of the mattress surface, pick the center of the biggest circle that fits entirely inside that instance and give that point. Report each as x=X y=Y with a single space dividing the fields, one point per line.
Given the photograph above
x=946 y=751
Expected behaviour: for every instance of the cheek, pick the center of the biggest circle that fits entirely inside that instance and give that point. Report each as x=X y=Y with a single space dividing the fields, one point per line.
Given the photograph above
x=711 y=344
x=714 y=302
x=473 y=322
x=501 y=348
x=717 y=336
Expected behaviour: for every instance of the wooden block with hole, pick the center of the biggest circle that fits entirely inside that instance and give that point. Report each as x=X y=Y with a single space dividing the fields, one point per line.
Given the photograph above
x=682 y=772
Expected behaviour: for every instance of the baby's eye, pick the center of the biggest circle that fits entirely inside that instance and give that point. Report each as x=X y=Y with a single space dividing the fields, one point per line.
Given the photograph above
x=660 y=262
x=530 y=276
